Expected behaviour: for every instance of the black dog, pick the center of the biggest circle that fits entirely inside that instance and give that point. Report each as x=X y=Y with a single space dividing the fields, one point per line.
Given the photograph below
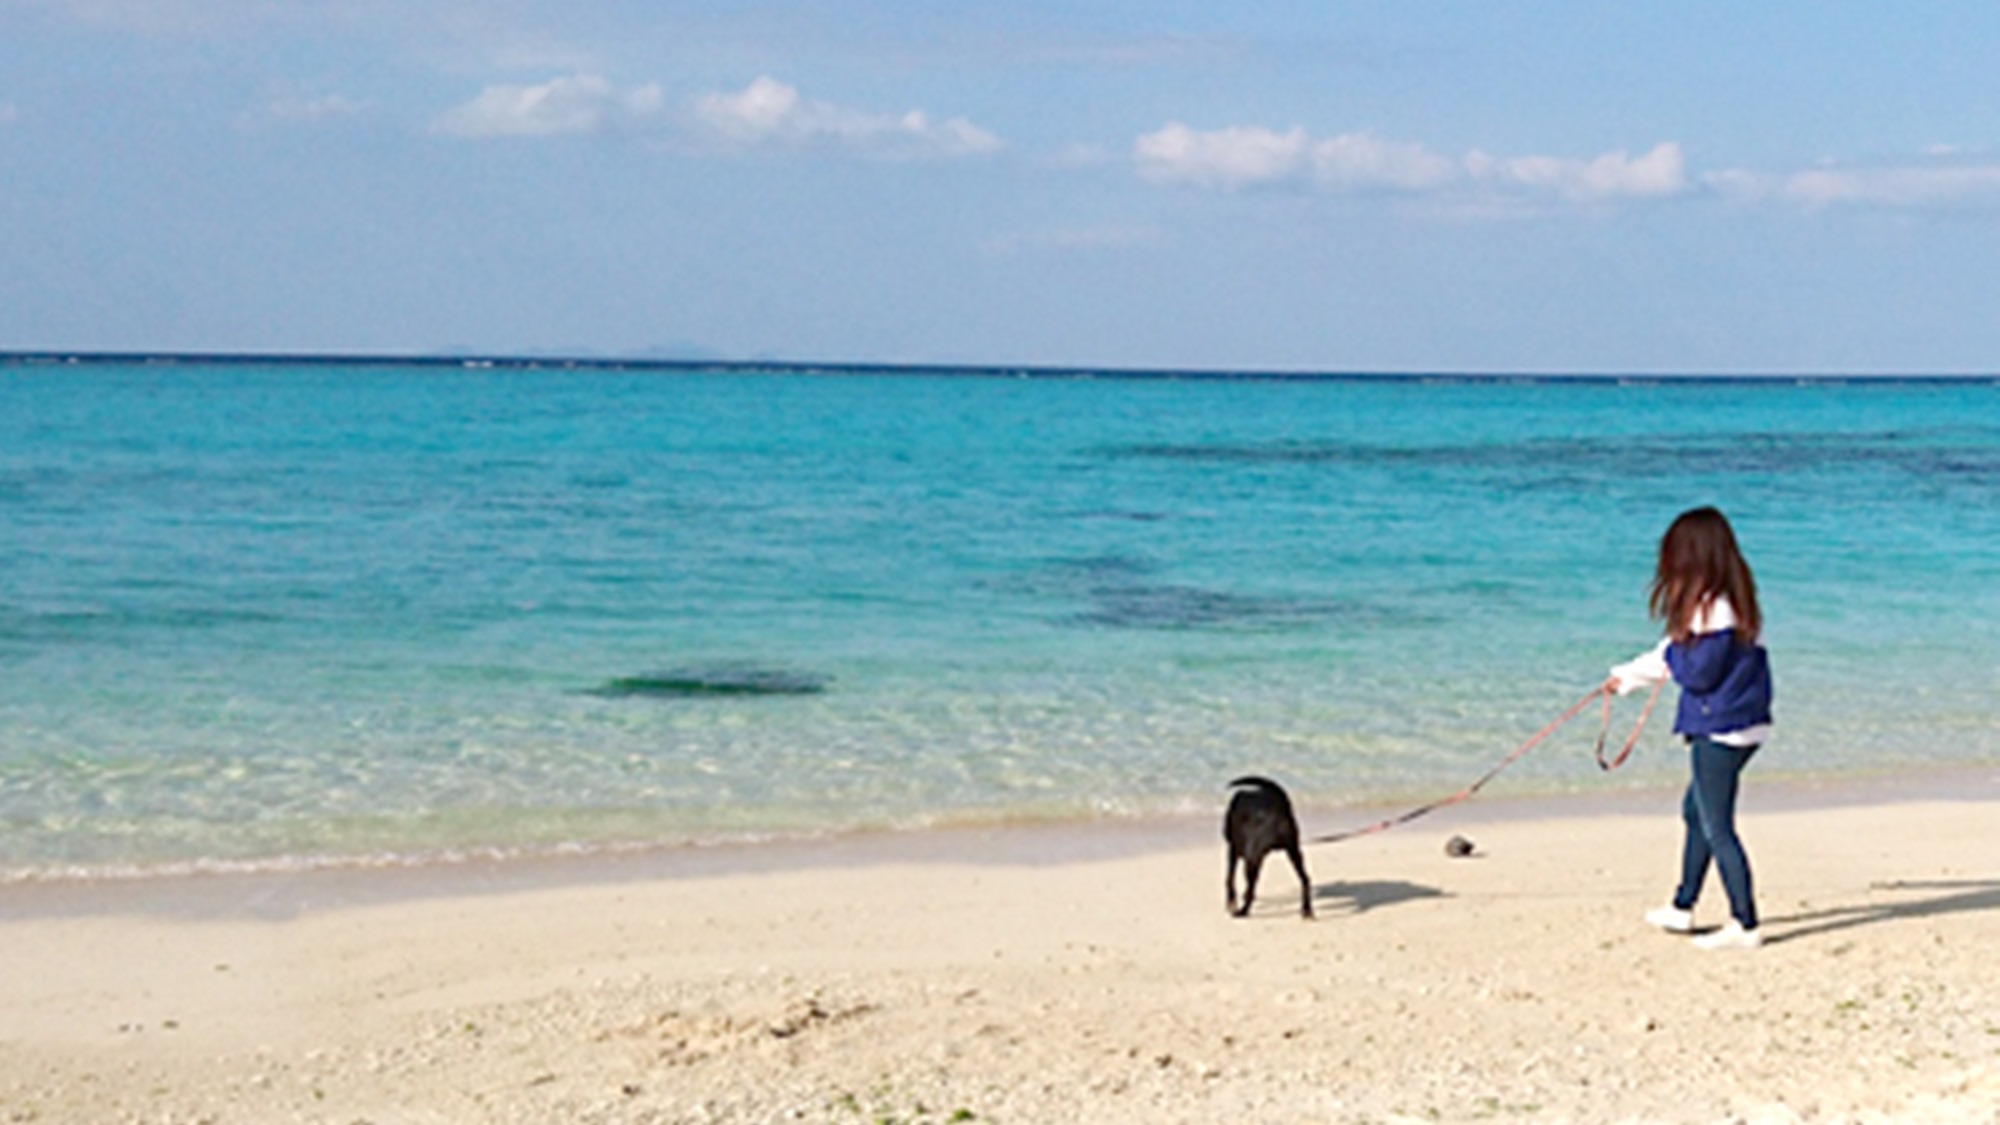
x=1259 y=821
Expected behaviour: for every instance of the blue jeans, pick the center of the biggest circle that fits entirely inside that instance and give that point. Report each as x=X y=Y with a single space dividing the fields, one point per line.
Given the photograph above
x=1709 y=810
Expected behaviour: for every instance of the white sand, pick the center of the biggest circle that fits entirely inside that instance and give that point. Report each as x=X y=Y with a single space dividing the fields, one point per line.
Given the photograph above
x=1037 y=975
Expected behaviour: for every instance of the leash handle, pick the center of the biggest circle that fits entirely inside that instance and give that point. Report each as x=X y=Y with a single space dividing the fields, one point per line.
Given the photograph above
x=1633 y=739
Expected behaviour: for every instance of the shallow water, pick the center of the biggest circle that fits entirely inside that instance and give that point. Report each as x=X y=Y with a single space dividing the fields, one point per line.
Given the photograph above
x=285 y=613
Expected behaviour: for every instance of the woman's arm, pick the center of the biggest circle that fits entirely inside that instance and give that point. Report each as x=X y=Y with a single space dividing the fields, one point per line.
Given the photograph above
x=1644 y=670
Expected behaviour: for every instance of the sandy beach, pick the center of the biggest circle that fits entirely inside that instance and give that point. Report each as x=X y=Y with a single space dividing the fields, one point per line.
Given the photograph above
x=1044 y=975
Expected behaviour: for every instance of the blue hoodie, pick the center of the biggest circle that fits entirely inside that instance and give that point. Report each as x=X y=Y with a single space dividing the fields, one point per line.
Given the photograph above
x=1725 y=681
x=1725 y=684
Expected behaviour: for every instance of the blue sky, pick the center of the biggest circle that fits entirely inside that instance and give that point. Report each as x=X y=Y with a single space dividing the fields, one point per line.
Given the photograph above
x=1603 y=187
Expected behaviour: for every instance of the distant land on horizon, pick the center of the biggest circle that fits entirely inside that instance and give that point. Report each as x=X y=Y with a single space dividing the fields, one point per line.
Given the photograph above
x=474 y=360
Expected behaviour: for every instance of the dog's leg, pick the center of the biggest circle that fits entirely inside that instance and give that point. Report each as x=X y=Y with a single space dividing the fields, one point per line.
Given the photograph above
x=1305 y=883
x=1252 y=864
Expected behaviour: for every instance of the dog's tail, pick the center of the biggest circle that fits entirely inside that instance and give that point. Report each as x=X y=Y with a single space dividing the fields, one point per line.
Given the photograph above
x=1252 y=781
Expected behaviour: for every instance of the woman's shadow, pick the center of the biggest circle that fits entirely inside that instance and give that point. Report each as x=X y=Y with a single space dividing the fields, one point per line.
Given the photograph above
x=1962 y=896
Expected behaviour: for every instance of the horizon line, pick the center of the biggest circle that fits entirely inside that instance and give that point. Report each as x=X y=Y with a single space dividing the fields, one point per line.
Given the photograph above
x=518 y=361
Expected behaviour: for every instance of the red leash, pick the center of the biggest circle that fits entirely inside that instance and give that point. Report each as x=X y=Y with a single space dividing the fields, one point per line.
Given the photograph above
x=1537 y=739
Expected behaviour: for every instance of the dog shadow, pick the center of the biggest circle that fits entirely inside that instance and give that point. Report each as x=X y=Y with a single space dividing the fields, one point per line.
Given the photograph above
x=1960 y=896
x=1361 y=897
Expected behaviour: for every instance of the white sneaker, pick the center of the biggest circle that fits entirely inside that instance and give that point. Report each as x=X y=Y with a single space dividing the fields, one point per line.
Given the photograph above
x=1731 y=936
x=1672 y=919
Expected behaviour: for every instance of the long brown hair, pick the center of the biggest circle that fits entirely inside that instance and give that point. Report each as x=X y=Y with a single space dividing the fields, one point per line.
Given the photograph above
x=1699 y=561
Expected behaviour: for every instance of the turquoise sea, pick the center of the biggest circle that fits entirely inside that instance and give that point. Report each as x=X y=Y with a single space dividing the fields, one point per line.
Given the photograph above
x=284 y=613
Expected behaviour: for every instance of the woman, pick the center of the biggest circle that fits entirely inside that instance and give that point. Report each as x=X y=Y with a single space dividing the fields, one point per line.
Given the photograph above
x=1703 y=591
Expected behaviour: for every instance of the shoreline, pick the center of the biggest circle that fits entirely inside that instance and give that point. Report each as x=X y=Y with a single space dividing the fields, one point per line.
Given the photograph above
x=288 y=890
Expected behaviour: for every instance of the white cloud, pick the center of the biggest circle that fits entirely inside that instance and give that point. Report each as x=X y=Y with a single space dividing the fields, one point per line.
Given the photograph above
x=767 y=112
x=1242 y=156
x=1910 y=187
x=578 y=104
x=1478 y=183
x=1360 y=163
x=1657 y=174
x=766 y=107
x=1364 y=162
x=770 y=112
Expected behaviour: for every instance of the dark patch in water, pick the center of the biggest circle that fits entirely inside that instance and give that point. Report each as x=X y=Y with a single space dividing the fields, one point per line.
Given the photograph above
x=1961 y=453
x=1169 y=606
x=710 y=682
x=1100 y=568
x=1120 y=591
x=118 y=623
x=1173 y=606
x=1123 y=515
